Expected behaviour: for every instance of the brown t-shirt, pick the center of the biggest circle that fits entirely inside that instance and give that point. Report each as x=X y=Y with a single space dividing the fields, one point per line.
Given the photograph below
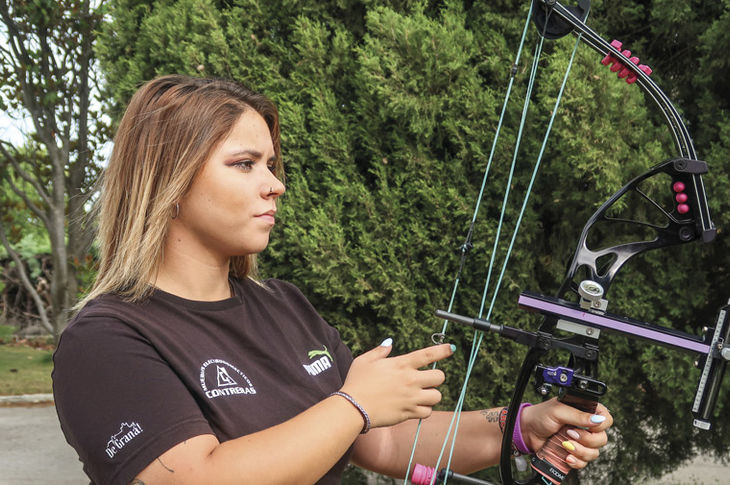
x=133 y=380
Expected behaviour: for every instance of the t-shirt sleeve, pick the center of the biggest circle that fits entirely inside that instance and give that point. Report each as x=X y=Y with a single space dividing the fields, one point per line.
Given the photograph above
x=342 y=353
x=119 y=403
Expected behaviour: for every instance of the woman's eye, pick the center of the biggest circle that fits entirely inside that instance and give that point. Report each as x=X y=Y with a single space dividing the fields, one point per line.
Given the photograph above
x=244 y=164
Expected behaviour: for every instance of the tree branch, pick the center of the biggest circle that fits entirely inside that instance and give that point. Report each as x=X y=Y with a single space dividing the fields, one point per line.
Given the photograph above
x=27 y=284
x=24 y=175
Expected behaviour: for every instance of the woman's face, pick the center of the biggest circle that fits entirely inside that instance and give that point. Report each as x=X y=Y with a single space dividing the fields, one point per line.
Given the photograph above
x=230 y=208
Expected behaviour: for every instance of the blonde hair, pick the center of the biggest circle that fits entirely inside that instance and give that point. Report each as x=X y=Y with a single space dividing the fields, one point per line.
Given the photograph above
x=170 y=127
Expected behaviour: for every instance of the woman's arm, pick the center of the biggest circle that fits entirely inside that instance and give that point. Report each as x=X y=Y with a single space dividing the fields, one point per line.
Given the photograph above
x=302 y=449
x=478 y=443
x=299 y=450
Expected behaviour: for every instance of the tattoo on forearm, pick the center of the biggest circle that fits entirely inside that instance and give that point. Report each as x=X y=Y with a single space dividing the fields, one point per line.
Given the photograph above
x=491 y=415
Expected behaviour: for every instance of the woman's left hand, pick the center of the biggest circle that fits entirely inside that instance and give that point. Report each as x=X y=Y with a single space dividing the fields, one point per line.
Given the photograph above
x=539 y=422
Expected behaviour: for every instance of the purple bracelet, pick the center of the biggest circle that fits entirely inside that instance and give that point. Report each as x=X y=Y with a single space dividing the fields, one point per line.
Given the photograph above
x=365 y=417
x=517 y=439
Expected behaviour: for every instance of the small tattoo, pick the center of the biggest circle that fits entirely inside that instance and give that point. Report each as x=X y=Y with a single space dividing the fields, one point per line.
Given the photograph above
x=136 y=481
x=492 y=416
x=165 y=467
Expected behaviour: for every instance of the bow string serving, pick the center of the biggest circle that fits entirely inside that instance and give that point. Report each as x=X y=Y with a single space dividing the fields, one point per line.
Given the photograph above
x=580 y=307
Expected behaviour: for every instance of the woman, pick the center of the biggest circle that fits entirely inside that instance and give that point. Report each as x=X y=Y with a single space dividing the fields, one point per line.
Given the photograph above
x=181 y=367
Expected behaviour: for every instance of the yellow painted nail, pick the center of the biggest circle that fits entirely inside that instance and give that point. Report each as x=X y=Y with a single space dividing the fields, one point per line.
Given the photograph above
x=568 y=446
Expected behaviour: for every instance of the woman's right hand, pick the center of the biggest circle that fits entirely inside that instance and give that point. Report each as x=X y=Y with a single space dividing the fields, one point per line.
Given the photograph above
x=393 y=389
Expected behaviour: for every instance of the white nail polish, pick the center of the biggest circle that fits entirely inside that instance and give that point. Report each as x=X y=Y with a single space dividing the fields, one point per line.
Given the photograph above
x=597 y=419
x=387 y=342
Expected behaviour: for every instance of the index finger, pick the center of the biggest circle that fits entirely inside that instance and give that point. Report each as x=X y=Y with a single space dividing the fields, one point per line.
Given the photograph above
x=429 y=355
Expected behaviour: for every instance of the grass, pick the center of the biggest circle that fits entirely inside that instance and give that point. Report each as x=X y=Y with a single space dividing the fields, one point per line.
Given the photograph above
x=25 y=367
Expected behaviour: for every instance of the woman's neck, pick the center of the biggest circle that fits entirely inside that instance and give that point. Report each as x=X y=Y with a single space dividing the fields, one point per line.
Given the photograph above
x=193 y=278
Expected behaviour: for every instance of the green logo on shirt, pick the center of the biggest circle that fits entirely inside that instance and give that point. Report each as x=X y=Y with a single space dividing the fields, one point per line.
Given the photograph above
x=320 y=365
x=314 y=353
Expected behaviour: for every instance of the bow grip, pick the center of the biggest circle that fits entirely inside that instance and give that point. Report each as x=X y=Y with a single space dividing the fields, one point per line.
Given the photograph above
x=549 y=461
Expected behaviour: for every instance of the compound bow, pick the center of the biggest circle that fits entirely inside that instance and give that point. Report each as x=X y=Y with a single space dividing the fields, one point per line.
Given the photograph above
x=688 y=219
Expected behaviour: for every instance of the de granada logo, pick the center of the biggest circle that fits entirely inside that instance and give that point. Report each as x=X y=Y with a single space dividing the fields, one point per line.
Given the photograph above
x=127 y=432
x=218 y=378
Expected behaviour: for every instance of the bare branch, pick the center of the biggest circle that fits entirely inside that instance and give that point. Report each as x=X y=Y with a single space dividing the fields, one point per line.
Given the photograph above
x=14 y=34
x=29 y=203
x=47 y=63
x=24 y=175
x=27 y=284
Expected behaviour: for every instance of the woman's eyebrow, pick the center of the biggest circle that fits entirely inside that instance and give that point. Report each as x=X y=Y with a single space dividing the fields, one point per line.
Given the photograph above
x=249 y=152
x=253 y=154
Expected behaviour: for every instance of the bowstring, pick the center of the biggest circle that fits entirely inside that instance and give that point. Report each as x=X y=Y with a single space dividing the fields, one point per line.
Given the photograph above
x=467 y=244
x=478 y=335
x=526 y=198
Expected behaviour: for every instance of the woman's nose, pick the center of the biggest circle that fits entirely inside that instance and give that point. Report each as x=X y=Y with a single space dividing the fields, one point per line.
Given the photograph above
x=273 y=187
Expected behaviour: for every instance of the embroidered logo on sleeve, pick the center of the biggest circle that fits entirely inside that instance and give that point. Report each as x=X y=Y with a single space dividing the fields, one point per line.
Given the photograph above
x=127 y=432
x=219 y=378
x=322 y=363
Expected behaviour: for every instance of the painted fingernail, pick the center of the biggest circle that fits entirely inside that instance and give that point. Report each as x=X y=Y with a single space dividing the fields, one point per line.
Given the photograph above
x=573 y=434
x=453 y=348
x=387 y=342
x=570 y=459
x=568 y=445
x=597 y=419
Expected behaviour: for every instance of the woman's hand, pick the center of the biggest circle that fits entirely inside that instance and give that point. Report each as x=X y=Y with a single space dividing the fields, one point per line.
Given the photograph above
x=393 y=389
x=539 y=422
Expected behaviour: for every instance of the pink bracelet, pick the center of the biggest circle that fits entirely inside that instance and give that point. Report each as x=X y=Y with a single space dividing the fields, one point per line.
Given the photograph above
x=517 y=439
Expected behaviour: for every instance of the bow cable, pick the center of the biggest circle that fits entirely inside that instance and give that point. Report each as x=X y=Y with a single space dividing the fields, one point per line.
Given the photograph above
x=467 y=243
x=475 y=347
x=478 y=335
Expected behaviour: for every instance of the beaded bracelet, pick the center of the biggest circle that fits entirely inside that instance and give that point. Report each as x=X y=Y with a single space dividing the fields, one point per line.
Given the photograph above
x=365 y=417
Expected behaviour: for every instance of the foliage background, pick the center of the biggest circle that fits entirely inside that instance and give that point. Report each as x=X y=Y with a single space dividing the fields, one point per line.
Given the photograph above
x=388 y=110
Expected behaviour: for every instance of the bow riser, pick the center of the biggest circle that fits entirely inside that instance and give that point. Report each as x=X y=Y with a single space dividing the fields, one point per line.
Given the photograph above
x=682 y=223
